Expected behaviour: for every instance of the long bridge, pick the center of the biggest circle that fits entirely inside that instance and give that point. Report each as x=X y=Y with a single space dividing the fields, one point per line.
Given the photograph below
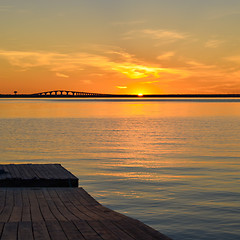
x=61 y=93
x=76 y=94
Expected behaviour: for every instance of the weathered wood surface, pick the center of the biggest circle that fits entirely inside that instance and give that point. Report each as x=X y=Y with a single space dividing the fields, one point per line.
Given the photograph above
x=36 y=175
x=64 y=213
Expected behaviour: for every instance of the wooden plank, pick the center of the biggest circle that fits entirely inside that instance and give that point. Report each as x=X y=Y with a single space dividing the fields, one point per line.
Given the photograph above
x=36 y=214
x=61 y=213
x=8 y=169
x=50 y=174
x=104 y=232
x=22 y=174
x=148 y=229
x=64 y=176
x=1 y=229
x=55 y=230
x=26 y=213
x=126 y=221
x=43 y=205
x=63 y=171
x=16 y=214
x=53 y=208
x=26 y=172
x=61 y=207
x=65 y=195
x=4 y=173
x=40 y=231
x=88 y=232
x=83 y=200
x=54 y=171
x=122 y=225
x=36 y=175
x=71 y=231
x=110 y=213
x=106 y=213
x=94 y=207
x=8 y=206
x=2 y=199
x=15 y=170
x=120 y=233
x=12 y=179
x=44 y=171
x=87 y=197
x=83 y=205
x=10 y=231
x=33 y=168
x=133 y=230
x=25 y=231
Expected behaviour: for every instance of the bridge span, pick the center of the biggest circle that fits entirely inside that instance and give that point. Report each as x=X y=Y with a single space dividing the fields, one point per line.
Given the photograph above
x=61 y=93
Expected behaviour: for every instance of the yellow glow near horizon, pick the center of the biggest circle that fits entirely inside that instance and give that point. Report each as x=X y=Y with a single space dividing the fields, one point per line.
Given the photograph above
x=140 y=94
x=135 y=71
x=132 y=54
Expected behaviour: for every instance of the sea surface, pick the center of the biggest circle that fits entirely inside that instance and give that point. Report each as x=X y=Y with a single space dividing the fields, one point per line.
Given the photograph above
x=172 y=163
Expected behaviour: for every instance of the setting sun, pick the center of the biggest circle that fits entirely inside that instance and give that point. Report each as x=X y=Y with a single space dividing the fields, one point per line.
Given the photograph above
x=140 y=94
x=150 y=54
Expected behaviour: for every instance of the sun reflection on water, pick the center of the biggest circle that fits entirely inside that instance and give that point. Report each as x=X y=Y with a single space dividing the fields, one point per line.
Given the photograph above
x=173 y=165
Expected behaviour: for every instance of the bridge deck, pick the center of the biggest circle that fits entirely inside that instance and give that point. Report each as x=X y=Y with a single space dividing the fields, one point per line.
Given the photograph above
x=44 y=213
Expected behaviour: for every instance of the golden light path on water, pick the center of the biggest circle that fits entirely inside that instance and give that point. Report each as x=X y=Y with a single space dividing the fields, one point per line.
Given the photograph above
x=173 y=164
x=61 y=108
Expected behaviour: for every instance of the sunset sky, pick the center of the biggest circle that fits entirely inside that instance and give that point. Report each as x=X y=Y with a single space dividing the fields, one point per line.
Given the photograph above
x=120 y=46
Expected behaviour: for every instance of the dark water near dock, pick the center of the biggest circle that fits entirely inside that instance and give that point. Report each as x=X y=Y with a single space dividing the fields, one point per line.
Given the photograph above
x=172 y=164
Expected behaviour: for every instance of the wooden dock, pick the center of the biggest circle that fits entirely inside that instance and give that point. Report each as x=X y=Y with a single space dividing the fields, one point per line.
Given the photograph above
x=36 y=175
x=61 y=213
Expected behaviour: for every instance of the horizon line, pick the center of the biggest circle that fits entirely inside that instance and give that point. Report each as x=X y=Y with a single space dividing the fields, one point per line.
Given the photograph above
x=76 y=94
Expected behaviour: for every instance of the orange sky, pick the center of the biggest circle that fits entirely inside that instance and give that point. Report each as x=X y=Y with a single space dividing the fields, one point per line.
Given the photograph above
x=122 y=46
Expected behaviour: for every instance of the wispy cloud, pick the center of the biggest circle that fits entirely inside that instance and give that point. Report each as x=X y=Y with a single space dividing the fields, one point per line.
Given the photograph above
x=58 y=62
x=127 y=66
x=231 y=87
x=52 y=60
x=5 y=8
x=136 y=71
x=62 y=75
x=235 y=59
x=149 y=82
x=85 y=81
x=166 y=56
x=198 y=65
x=213 y=43
x=224 y=13
x=164 y=34
x=121 y=87
x=11 y=8
x=157 y=34
x=212 y=78
x=130 y=23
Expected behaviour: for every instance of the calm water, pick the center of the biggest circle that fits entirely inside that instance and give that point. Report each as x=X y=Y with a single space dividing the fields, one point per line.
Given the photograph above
x=173 y=164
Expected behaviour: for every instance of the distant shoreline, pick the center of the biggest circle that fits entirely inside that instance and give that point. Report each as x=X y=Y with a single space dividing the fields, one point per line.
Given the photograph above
x=123 y=96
